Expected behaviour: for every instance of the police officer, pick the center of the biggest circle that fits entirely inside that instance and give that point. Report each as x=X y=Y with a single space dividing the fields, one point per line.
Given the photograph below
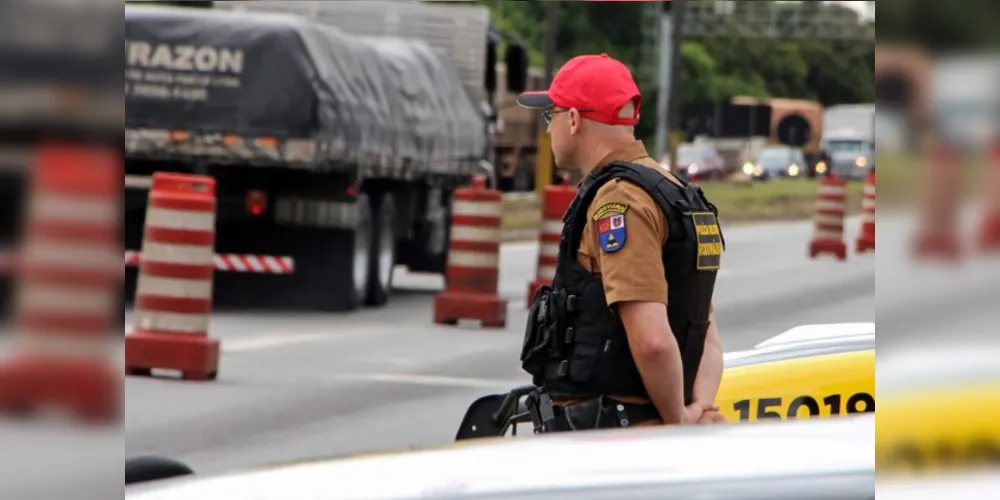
x=626 y=335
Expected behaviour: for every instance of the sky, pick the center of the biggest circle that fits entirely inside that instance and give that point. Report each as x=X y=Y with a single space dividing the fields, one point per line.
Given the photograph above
x=866 y=9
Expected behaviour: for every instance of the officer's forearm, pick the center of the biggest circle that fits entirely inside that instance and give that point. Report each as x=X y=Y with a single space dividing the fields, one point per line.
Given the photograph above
x=706 y=385
x=656 y=356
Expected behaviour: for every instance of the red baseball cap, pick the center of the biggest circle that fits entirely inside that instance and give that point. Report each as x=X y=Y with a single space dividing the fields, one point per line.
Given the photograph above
x=599 y=86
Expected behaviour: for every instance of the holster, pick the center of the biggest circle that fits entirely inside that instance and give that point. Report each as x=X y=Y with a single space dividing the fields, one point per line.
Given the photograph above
x=543 y=335
x=594 y=413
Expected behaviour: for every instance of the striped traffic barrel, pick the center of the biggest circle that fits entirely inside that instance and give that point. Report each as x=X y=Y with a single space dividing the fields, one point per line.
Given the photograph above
x=866 y=238
x=67 y=284
x=473 y=267
x=831 y=210
x=173 y=297
x=555 y=201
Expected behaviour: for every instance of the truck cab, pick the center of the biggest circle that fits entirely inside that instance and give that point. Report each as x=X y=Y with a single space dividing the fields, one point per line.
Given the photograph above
x=852 y=155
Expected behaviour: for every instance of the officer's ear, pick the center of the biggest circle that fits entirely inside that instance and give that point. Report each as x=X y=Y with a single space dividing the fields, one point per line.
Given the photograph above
x=575 y=121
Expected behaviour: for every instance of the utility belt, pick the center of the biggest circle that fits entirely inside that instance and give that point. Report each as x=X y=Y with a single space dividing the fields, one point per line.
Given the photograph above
x=600 y=412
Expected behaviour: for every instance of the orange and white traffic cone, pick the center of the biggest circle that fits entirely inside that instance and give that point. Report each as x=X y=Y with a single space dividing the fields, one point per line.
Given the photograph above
x=173 y=298
x=989 y=231
x=866 y=240
x=473 y=269
x=68 y=278
x=555 y=201
x=831 y=209
x=937 y=236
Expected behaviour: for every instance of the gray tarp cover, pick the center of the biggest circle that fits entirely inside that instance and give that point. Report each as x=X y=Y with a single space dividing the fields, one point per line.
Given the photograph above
x=254 y=74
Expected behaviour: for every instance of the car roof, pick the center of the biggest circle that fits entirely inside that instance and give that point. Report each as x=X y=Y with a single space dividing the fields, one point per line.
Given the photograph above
x=807 y=340
x=820 y=333
x=922 y=367
x=631 y=457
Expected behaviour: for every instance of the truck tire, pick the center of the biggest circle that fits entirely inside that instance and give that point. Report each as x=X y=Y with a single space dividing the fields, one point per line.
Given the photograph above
x=359 y=266
x=336 y=266
x=382 y=259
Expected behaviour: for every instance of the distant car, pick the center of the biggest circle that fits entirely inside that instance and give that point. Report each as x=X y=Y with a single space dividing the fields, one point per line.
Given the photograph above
x=774 y=162
x=804 y=460
x=699 y=162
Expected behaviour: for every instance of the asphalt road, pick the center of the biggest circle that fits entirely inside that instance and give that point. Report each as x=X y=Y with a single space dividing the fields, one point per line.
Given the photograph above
x=295 y=386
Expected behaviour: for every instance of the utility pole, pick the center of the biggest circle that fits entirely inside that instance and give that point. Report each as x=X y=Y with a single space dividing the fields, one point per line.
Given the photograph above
x=551 y=33
x=664 y=79
x=669 y=84
x=676 y=82
x=544 y=167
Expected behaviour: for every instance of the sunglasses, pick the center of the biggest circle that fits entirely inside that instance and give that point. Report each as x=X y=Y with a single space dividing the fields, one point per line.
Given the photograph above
x=548 y=112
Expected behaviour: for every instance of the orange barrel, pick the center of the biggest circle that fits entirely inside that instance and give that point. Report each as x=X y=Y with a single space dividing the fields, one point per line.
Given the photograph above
x=173 y=297
x=937 y=233
x=473 y=270
x=866 y=239
x=555 y=201
x=989 y=232
x=68 y=279
x=831 y=209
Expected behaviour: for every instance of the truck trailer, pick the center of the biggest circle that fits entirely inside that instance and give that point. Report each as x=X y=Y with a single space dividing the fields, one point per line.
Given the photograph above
x=335 y=153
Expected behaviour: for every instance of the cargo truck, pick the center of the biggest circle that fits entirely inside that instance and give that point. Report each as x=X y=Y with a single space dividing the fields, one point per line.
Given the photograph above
x=336 y=133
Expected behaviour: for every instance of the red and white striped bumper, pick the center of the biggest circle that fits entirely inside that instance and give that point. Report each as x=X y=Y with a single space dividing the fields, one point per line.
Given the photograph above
x=238 y=263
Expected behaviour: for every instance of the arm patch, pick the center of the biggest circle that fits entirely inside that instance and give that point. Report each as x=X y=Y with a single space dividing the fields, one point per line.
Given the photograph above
x=611 y=231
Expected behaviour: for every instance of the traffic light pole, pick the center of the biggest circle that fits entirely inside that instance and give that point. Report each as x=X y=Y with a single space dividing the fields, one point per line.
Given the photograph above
x=669 y=85
x=663 y=84
x=544 y=167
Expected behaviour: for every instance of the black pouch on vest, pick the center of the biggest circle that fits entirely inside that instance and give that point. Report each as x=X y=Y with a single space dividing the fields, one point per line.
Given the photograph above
x=537 y=333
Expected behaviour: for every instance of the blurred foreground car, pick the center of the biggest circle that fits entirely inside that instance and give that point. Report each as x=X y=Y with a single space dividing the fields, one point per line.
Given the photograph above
x=699 y=162
x=966 y=485
x=819 y=459
x=776 y=162
x=940 y=413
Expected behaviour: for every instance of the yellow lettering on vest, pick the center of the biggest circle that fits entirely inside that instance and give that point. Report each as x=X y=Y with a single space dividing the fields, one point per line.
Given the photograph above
x=707 y=230
x=709 y=249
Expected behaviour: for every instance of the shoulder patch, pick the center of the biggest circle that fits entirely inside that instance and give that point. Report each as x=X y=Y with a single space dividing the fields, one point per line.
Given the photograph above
x=610 y=219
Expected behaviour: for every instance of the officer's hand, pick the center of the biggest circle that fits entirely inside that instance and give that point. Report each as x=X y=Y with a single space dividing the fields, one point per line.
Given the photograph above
x=694 y=411
x=712 y=417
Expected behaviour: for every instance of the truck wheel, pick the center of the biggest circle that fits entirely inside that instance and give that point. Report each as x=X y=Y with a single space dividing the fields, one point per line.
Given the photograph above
x=360 y=270
x=383 y=252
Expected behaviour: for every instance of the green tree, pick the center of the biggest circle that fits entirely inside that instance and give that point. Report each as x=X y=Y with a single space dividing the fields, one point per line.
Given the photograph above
x=712 y=69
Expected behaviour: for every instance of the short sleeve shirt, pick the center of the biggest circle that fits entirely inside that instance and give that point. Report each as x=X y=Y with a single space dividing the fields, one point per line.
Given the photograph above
x=624 y=235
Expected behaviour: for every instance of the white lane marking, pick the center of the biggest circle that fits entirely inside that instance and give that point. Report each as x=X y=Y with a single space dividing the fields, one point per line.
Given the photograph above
x=430 y=380
x=273 y=341
x=264 y=342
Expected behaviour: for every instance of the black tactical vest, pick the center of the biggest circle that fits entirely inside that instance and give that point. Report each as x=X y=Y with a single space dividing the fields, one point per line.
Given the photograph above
x=575 y=345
